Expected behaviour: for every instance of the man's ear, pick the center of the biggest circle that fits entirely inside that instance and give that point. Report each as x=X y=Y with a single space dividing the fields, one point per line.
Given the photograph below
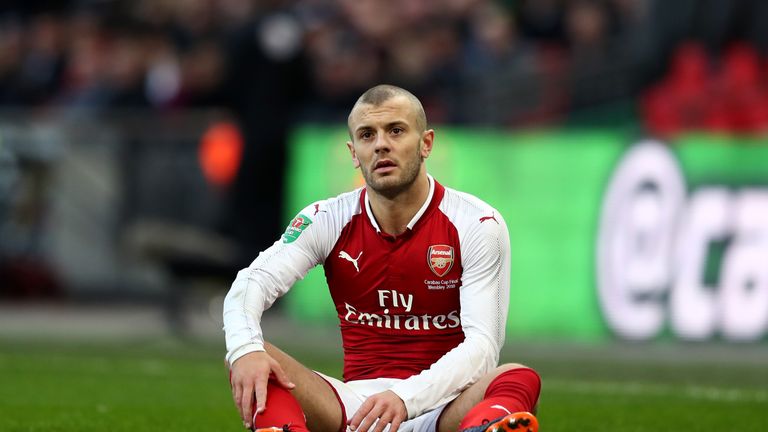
x=351 y=148
x=427 y=140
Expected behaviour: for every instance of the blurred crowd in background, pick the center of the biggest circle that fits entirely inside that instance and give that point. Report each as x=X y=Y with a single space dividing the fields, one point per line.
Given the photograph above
x=491 y=62
x=656 y=66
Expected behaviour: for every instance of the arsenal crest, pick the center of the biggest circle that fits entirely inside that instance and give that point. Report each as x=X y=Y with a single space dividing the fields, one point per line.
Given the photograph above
x=440 y=259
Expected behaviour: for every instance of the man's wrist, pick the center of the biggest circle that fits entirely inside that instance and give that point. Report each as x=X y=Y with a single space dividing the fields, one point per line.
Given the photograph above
x=399 y=394
x=242 y=350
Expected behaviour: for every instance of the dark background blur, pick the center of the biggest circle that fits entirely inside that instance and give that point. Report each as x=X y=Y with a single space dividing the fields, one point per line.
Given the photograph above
x=143 y=143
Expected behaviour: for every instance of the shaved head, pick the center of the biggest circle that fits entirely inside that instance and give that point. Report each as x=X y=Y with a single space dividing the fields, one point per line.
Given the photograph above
x=376 y=96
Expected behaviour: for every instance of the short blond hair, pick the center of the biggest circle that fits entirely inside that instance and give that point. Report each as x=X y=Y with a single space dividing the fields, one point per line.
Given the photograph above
x=383 y=92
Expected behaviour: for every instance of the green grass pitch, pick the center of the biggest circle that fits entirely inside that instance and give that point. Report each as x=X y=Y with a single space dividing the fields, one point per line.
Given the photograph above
x=173 y=386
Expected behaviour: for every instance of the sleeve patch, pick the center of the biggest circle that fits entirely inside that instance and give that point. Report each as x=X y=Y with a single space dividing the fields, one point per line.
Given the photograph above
x=296 y=227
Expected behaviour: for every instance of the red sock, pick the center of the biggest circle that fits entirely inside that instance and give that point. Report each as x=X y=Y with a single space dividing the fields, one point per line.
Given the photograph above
x=281 y=409
x=512 y=391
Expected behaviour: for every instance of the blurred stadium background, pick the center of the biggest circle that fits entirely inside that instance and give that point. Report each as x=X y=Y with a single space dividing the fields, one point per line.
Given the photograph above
x=149 y=149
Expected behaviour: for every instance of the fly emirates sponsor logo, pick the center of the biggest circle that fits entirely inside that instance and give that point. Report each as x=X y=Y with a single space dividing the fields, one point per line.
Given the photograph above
x=400 y=321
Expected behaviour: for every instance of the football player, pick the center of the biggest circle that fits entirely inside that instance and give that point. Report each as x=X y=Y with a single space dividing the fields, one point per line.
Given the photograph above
x=419 y=274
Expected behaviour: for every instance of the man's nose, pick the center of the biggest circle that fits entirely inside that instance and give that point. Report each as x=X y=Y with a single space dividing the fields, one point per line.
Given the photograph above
x=382 y=143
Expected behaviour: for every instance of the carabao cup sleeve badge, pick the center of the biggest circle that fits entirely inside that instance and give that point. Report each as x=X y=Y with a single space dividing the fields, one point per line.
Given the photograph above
x=296 y=227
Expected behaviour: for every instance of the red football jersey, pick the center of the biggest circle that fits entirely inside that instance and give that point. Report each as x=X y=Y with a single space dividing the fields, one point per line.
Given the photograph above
x=397 y=297
x=428 y=306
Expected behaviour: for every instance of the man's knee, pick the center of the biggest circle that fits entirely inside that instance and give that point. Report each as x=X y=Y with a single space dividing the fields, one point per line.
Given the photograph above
x=530 y=377
x=517 y=369
x=510 y=366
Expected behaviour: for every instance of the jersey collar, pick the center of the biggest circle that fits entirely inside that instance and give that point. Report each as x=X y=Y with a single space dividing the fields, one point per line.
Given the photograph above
x=415 y=218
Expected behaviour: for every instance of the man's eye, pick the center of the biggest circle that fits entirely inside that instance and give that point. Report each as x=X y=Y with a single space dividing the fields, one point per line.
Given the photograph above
x=366 y=135
x=397 y=131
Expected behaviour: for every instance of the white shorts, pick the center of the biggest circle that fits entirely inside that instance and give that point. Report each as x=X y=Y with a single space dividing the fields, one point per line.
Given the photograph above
x=352 y=394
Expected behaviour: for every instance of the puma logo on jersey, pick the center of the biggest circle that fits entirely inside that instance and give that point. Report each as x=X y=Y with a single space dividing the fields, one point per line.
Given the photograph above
x=492 y=216
x=500 y=408
x=317 y=209
x=347 y=257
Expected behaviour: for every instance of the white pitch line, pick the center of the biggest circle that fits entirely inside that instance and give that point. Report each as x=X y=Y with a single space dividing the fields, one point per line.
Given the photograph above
x=633 y=388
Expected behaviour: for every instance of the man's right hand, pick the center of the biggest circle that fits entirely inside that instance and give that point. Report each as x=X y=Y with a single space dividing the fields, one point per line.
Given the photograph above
x=250 y=374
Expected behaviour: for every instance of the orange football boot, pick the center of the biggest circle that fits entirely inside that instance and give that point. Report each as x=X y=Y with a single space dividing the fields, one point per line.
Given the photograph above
x=273 y=429
x=515 y=422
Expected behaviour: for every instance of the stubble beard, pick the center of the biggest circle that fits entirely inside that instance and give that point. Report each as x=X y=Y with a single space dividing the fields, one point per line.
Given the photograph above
x=390 y=186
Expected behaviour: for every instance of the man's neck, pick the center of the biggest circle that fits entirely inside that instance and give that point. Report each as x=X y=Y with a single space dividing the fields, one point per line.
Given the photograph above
x=394 y=213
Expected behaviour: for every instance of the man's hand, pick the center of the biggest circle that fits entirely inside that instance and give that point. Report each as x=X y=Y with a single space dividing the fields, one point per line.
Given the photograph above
x=386 y=406
x=250 y=374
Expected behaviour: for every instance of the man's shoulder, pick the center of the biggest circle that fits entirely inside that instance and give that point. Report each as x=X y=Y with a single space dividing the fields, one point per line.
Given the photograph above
x=345 y=201
x=346 y=204
x=455 y=201
x=325 y=218
x=471 y=216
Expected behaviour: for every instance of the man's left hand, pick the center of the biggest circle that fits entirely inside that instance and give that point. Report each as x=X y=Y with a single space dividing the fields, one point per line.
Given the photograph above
x=386 y=407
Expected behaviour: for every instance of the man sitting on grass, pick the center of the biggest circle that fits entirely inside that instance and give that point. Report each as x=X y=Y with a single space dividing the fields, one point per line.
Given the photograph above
x=419 y=274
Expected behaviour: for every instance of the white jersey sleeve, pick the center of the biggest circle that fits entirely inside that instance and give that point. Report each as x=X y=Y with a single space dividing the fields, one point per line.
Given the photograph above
x=305 y=243
x=484 y=299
